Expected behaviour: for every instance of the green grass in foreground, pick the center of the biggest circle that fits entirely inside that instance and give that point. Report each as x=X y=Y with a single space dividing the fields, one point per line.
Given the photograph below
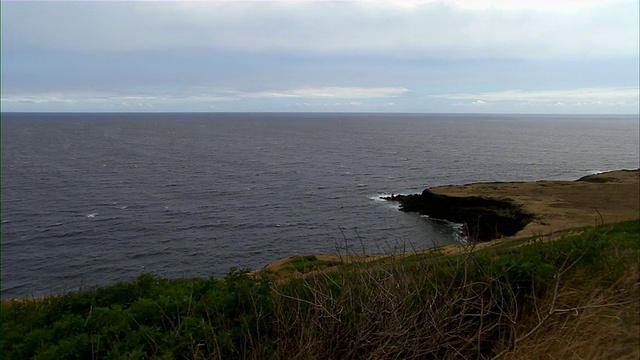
x=474 y=305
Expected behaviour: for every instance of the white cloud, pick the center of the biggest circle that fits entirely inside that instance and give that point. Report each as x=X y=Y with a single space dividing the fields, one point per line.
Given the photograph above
x=584 y=96
x=459 y=29
x=201 y=95
x=87 y=98
x=37 y=99
x=331 y=93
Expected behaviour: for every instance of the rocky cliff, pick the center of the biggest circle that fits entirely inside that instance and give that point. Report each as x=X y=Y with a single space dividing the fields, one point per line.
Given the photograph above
x=484 y=219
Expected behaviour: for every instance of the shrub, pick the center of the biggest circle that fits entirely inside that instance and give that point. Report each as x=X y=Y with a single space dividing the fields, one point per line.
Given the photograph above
x=475 y=304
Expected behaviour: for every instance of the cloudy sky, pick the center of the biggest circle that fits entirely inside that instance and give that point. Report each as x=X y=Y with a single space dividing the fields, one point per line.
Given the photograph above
x=427 y=56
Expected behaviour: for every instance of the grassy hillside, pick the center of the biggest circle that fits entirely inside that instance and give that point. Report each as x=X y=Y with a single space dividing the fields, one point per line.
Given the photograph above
x=574 y=297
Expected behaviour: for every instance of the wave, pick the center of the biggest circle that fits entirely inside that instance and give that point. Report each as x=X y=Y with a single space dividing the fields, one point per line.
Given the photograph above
x=451 y=228
x=310 y=184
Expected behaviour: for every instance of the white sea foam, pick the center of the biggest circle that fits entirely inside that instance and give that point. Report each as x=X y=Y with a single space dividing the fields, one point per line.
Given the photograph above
x=380 y=198
x=456 y=229
x=459 y=234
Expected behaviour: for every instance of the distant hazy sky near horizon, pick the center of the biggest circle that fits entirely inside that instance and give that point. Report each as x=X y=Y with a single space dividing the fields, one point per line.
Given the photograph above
x=352 y=56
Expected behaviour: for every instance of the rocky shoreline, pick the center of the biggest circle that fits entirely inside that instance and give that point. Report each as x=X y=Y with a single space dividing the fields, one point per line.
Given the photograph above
x=483 y=219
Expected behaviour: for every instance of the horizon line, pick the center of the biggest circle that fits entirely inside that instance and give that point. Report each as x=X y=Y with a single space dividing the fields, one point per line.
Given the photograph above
x=314 y=112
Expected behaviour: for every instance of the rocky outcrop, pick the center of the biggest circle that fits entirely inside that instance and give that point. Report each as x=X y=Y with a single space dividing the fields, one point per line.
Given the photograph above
x=484 y=219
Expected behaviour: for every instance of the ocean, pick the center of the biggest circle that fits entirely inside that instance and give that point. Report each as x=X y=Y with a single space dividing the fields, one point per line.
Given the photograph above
x=92 y=199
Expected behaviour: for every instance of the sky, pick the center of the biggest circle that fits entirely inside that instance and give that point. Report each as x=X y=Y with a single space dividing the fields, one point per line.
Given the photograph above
x=520 y=56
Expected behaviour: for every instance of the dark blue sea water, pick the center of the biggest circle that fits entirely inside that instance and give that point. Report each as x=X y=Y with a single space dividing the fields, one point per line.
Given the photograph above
x=92 y=199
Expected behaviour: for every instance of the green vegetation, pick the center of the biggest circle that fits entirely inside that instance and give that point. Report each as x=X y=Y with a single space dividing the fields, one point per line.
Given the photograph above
x=477 y=304
x=305 y=264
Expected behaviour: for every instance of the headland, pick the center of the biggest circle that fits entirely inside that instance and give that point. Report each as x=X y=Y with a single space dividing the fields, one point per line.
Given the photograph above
x=518 y=209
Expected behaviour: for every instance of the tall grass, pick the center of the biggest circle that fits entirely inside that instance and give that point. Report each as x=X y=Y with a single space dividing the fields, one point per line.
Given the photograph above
x=505 y=302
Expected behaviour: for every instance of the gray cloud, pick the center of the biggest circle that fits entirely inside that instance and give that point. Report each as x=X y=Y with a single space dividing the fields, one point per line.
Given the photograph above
x=430 y=56
x=434 y=28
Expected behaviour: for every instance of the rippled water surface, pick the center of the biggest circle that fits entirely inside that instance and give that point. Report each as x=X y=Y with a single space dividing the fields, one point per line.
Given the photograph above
x=91 y=199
